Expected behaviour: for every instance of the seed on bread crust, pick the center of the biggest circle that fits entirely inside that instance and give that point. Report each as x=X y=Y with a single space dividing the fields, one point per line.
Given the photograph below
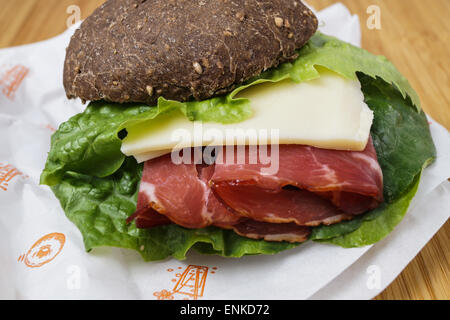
x=279 y=22
x=198 y=68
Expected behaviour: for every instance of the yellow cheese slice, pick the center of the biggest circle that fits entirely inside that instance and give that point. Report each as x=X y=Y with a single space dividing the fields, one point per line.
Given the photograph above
x=328 y=112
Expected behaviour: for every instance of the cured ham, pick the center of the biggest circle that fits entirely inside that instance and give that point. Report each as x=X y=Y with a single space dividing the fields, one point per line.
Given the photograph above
x=284 y=206
x=145 y=216
x=182 y=194
x=310 y=187
x=352 y=181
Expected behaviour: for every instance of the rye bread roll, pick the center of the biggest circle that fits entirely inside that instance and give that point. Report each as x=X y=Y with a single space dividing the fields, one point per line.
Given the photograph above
x=139 y=50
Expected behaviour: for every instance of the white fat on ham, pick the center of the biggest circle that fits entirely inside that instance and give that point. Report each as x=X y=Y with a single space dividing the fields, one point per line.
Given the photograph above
x=328 y=112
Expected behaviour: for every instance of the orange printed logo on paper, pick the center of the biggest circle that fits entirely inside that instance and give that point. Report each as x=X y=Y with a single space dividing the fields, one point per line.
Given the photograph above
x=11 y=79
x=8 y=173
x=190 y=283
x=49 y=127
x=44 y=250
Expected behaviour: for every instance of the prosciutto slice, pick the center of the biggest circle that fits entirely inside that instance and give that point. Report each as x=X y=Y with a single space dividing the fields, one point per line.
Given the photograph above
x=324 y=186
x=311 y=187
x=182 y=194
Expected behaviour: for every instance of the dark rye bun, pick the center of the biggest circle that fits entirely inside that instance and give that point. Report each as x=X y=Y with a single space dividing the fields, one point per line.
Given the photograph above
x=139 y=50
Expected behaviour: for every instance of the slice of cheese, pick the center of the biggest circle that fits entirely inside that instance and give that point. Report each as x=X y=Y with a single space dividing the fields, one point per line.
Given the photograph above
x=328 y=112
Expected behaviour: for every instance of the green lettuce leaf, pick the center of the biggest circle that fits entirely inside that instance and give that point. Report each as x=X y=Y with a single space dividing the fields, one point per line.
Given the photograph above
x=401 y=137
x=97 y=185
x=88 y=142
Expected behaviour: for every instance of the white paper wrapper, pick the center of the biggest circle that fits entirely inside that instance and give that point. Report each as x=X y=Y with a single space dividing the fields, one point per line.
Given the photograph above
x=42 y=254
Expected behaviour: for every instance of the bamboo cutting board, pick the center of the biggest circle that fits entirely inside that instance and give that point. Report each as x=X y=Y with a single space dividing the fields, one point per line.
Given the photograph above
x=413 y=34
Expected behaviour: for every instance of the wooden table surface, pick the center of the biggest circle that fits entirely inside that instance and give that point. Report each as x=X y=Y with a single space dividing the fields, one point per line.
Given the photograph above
x=414 y=35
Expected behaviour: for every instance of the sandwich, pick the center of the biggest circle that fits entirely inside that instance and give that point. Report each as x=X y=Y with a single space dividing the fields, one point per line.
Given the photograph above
x=231 y=128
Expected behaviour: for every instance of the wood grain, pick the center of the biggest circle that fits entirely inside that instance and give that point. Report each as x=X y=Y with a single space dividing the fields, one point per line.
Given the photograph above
x=414 y=35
